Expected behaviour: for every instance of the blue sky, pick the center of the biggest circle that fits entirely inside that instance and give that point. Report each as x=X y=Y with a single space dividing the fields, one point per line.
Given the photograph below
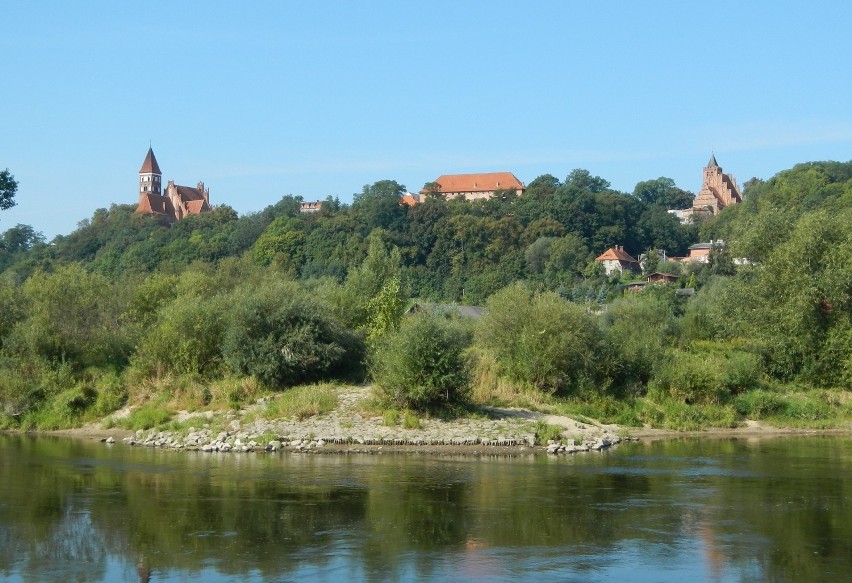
x=318 y=99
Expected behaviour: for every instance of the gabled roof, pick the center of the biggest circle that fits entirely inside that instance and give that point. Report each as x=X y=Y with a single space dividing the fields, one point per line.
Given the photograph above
x=155 y=204
x=194 y=207
x=615 y=254
x=408 y=199
x=188 y=193
x=150 y=166
x=483 y=182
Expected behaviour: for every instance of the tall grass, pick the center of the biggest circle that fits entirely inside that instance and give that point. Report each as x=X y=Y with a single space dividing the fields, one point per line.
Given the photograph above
x=302 y=402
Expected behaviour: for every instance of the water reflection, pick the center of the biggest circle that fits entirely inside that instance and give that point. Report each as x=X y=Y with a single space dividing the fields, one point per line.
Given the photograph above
x=715 y=511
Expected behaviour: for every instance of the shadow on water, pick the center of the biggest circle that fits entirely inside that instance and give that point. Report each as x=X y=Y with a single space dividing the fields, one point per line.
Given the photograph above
x=723 y=510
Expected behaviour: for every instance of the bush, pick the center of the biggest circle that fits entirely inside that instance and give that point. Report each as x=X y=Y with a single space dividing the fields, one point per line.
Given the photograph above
x=690 y=379
x=283 y=337
x=422 y=364
x=541 y=339
x=637 y=331
x=186 y=339
x=759 y=404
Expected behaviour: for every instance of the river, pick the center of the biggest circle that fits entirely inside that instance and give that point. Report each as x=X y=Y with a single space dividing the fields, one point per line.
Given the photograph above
x=715 y=510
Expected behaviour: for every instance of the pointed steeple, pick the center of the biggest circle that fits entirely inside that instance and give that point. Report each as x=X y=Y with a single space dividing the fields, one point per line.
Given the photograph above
x=150 y=177
x=150 y=166
x=711 y=164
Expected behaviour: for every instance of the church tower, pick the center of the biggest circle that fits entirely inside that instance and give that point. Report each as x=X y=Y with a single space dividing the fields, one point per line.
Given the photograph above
x=150 y=177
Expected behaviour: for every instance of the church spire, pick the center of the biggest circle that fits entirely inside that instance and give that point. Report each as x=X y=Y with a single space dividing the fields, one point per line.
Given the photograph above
x=712 y=163
x=150 y=166
x=150 y=175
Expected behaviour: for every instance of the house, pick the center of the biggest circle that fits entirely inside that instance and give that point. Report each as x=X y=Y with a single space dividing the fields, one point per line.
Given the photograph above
x=662 y=278
x=410 y=199
x=474 y=186
x=177 y=202
x=310 y=207
x=700 y=252
x=617 y=260
x=636 y=286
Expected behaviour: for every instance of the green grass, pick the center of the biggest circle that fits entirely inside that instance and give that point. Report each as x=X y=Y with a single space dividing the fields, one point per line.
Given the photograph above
x=302 y=402
x=390 y=417
x=545 y=432
x=410 y=420
x=146 y=417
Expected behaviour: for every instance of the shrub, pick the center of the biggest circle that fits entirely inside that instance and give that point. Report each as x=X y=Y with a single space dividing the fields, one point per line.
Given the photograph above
x=422 y=364
x=541 y=339
x=690 y=378
x=759 y=404
x=545 y=432
x=283 y=337
x=186 y=339
x=637 y=330
x=410 y=420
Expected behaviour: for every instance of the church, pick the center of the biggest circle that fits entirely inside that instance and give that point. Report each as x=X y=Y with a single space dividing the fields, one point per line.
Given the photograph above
x=177 y=202
x=718 y=190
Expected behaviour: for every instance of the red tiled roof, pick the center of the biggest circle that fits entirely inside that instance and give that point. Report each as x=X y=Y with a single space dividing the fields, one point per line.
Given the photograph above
x=187 y=193
x=484 y=182
x=615 y=254
x=193 y=207
x=408 y=199
x=150 y=166
x=155 y=204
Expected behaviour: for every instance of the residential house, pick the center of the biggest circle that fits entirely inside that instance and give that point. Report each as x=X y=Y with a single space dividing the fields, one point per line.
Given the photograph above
x=617 y=260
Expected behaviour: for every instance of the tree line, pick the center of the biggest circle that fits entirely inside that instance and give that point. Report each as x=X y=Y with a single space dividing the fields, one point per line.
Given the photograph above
x=218 y=306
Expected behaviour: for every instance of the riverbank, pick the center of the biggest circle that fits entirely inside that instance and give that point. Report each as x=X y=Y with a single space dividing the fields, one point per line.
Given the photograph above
x=351 y=428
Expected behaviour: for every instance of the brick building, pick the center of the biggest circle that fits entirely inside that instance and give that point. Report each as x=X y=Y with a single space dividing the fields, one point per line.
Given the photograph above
x=177 y=202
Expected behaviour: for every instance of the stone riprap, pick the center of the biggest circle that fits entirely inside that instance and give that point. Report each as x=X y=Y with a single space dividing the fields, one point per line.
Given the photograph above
x=348 y=429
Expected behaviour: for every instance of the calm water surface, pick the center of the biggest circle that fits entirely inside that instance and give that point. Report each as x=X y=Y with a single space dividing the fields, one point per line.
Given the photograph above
x=727 y=510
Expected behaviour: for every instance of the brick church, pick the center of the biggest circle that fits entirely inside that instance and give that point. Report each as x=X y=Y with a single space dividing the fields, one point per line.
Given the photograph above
x=177 y=202
x=718 y=190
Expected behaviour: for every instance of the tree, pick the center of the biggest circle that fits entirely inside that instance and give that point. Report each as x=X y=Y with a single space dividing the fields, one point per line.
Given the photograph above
x=663 y=191
x=378 y=206
x=8 y=188
x=582 y=179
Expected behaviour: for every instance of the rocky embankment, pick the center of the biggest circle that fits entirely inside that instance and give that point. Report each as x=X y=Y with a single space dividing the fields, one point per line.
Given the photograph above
x=348 y=429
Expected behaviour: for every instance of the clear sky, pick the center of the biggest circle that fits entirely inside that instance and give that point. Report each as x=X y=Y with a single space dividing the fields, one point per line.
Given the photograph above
x=263 y=99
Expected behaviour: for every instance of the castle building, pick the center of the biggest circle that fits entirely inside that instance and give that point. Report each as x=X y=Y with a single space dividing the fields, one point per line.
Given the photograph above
x=718 y=190
x=475 y=186
x=177 y=202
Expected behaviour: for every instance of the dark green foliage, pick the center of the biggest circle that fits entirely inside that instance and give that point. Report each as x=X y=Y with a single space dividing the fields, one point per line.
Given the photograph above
x=541 y=339
x=422 y=364
x=638 y=331
x=8 y=188
x=284 y=337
